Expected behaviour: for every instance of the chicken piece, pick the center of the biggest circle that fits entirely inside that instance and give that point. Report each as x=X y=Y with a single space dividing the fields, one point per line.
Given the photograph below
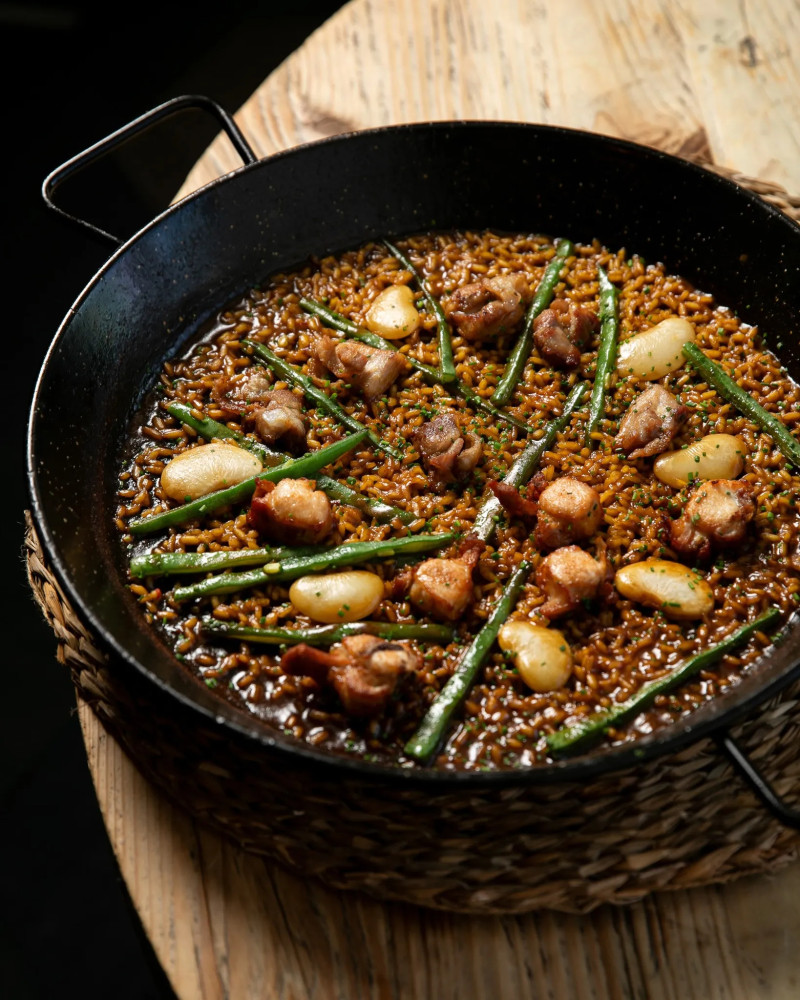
x=446 y=452
x=442 y=588
x=488 y=307
x=568 y=511
x=715 y=517
x=364 y=671
x=366 y=684
x=569 y=576
x=291 y=511
x=281 y=420
x=276 y=413
x=561 y=331
x=652 y=421
x=303 y=660
x=513 y=501
x=370 y=369
x=243 y=394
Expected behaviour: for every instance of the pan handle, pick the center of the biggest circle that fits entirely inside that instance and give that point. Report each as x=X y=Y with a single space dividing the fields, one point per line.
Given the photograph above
x=747 y=769
x=77 y=163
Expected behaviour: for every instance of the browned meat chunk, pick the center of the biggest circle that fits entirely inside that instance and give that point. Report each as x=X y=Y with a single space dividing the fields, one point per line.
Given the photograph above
x=568 y=511
x=652 y=421
x=567 y=577
x=243 y=393
x=488 y=307
x=276 y=413
x=281 y=420
x=716 y=517
x=365 y=684
x=291 y=511
x=445 y=451
x=561 y=331
x=303 y=660
x=442 y=588
x=364 y=671
x=513 y=501
x=370 y=369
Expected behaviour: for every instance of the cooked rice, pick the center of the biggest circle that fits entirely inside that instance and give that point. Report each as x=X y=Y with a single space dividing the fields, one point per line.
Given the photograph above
x=617 y=647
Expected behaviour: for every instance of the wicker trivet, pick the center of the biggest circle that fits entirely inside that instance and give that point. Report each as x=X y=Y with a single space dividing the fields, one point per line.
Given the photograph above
x=680 y=821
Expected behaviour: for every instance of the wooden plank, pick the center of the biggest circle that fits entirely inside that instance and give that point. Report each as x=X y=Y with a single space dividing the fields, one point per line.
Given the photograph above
x=698 y=78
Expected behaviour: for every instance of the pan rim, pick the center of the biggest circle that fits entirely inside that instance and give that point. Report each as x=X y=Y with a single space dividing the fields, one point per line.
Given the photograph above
x=610 y=759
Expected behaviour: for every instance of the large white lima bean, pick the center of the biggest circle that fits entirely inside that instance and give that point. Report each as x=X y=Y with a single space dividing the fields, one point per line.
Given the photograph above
x=671 y=587
x=715 y=456
x=654 y=353
x=393 y=314
x=206 y=468
x=348 y=596
x=542 y=655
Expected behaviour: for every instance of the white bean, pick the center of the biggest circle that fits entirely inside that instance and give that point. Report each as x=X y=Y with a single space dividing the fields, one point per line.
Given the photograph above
x=674 y=589
x=543 y=657
x=337 y=597
x=206 y=468
x=657 y=351
x=393 y=314
x=715 y=456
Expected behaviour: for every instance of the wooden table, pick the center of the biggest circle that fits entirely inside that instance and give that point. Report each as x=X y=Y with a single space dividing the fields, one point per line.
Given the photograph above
x=707 y=77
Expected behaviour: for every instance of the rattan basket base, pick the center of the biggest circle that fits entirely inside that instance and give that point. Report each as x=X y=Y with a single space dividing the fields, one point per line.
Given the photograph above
x=681 y=821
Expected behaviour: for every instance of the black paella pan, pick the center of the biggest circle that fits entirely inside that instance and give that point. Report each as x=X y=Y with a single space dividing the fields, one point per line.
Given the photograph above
x=156 y=291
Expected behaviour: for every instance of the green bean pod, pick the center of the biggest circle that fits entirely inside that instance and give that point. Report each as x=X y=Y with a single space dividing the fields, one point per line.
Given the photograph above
x=184 y=563
x=432 y=729
x=290 y=568
x=744 y=402
x=606 y=352
x=518 y=358
x=525 y=464
x=447 y=368
x=326 y=635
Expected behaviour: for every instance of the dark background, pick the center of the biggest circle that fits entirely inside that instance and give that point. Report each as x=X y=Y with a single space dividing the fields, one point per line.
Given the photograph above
x=73 y=73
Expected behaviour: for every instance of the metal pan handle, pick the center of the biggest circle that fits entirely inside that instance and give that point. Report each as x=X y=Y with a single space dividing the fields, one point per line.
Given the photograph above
x=146 y=121
x=787 y=815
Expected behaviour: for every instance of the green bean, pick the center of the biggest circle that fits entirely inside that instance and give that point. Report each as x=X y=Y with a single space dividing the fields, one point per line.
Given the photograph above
x=375 y=508
x=335 y=320
x=323 y=401
x=431 y=731
x=579 y=736
x=209 y=429
x=606 y=352
x=744 y=402
x=349 y=554
x=525 y=464
x=293 y=469
x=326 y=635
x=447 y=368
x=178 y=563
x=518 y=358
x=338 y=322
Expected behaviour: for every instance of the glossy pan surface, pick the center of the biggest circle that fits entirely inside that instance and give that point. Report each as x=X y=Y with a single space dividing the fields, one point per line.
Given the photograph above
x=159 y=288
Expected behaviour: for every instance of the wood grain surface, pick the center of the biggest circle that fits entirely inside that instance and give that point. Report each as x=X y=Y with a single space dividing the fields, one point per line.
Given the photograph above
x=711 y=76
x=717 y=78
